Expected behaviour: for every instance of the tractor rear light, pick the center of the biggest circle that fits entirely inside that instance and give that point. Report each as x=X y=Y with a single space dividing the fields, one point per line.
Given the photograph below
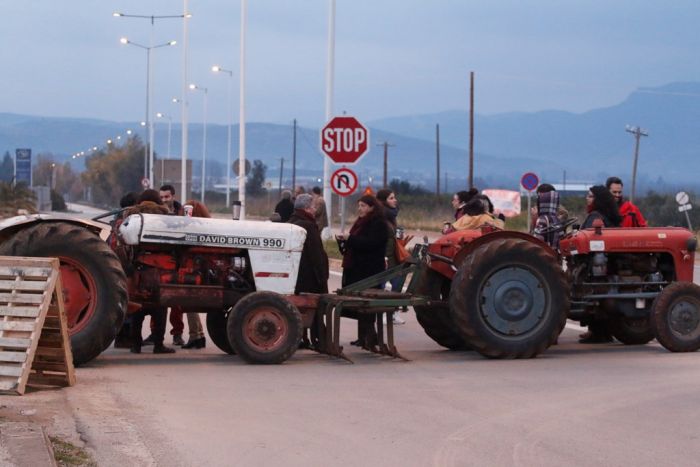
x=691 y=244
x=640 y=303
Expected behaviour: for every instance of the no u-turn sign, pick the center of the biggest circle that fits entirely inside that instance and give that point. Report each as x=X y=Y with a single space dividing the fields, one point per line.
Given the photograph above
x=344 y=182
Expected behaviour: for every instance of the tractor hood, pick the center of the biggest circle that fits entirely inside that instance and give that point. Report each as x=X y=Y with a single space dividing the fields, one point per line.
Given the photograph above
x=208 y=232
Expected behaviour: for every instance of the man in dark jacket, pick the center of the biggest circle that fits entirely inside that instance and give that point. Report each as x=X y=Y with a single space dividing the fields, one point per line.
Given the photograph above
x=313 y=266
x=285 y=207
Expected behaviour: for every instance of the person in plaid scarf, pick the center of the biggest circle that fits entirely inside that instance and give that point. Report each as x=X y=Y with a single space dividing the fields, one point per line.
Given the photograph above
x=547 y=223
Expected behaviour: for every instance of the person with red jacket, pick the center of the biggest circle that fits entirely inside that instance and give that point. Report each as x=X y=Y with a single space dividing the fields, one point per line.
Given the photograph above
x=631 y=215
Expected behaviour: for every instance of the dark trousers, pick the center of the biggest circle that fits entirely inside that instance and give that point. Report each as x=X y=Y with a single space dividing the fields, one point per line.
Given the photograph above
x=158 y=320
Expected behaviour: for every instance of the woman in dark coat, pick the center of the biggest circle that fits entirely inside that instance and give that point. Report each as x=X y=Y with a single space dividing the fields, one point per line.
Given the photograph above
x=366 y=245
x=364 y=257
x=600 y=204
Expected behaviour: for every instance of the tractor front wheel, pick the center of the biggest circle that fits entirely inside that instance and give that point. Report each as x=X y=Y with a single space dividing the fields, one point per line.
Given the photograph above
x=675 y=317
x=264 y=328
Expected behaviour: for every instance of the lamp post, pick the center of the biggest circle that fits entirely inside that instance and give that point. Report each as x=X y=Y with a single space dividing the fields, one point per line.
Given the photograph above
x=170 y=128
x=218 y=69
x=152 y=18
x=194 y=87
x=149 y=120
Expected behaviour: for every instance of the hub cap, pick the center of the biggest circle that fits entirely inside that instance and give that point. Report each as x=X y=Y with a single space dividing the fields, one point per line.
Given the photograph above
x=265 y=329
x=79 y=294
x=684 y=319
x=513 y=301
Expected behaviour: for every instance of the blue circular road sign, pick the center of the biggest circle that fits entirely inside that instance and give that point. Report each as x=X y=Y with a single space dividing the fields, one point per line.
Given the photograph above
x=529 y=181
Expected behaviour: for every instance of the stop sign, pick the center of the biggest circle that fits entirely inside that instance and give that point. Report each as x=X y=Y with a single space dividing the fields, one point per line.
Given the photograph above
x=344 y=139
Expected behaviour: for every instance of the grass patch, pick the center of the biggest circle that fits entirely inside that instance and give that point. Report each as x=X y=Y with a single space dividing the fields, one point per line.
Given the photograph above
x=69 y=455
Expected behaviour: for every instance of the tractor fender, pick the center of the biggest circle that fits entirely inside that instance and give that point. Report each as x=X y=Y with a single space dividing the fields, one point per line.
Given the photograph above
x=467 y=248
x=12 y=225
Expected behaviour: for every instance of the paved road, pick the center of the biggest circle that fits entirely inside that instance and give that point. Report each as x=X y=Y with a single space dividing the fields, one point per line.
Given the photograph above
x=575 y=405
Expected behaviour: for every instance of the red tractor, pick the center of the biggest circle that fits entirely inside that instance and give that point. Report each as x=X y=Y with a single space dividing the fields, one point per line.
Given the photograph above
x=508 y=295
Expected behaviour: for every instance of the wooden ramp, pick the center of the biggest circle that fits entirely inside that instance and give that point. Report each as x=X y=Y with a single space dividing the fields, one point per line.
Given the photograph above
x=34 y=342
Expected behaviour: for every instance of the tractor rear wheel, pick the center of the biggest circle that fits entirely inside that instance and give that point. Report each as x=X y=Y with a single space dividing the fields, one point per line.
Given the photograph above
x=509 y=299
x=216 y=328
x=265 y=328
x=94 y=284
x=631 y=331
x=675 y=317
x=435 y=319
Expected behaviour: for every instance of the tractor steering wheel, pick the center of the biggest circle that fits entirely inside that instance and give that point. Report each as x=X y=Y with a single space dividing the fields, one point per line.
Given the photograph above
x=557 y=227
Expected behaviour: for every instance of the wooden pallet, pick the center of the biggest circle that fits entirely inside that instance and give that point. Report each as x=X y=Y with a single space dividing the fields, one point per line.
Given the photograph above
x=34 y=342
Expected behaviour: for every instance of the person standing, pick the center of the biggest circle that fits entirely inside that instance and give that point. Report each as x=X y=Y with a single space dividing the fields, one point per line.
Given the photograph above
x=285 y=207
x=600 y=205
x=630 y=213
x=194 y=323
x=313 y=266
x=391 y=211
x=167 y=196
x=363 y=256
x=321 y=215
x=149 y=203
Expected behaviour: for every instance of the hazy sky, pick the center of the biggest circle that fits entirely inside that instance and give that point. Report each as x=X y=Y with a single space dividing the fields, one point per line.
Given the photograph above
x=63 y=58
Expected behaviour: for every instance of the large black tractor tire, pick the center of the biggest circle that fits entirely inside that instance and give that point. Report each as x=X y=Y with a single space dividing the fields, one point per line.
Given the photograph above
x=264 y=328
x=435 y=319
x=218 y=333
x=509 y=299
x=631 y=331
x=93 y=281
x=675 y=317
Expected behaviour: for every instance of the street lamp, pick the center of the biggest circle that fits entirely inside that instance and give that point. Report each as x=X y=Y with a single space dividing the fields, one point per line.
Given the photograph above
x=170 y=126
x=218 y=69
x=149 y=121
x=194 y=87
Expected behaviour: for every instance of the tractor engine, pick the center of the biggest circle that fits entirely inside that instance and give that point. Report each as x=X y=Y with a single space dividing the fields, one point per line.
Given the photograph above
x=189 y=277
x=624 y=283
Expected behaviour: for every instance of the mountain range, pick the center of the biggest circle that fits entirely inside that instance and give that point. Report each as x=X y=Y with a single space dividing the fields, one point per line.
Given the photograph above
x=588 y=146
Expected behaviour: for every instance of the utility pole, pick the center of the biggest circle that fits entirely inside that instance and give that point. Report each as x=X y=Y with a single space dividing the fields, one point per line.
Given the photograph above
x=294 y=157
x=471 y=130
x=281 y=172
x=638 y=133
x=437 y=154
x=386 y=158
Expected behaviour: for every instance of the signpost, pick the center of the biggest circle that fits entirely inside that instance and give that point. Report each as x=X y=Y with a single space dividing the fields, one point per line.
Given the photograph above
x=529 y=182
x=684 y=206
x=344 y=140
